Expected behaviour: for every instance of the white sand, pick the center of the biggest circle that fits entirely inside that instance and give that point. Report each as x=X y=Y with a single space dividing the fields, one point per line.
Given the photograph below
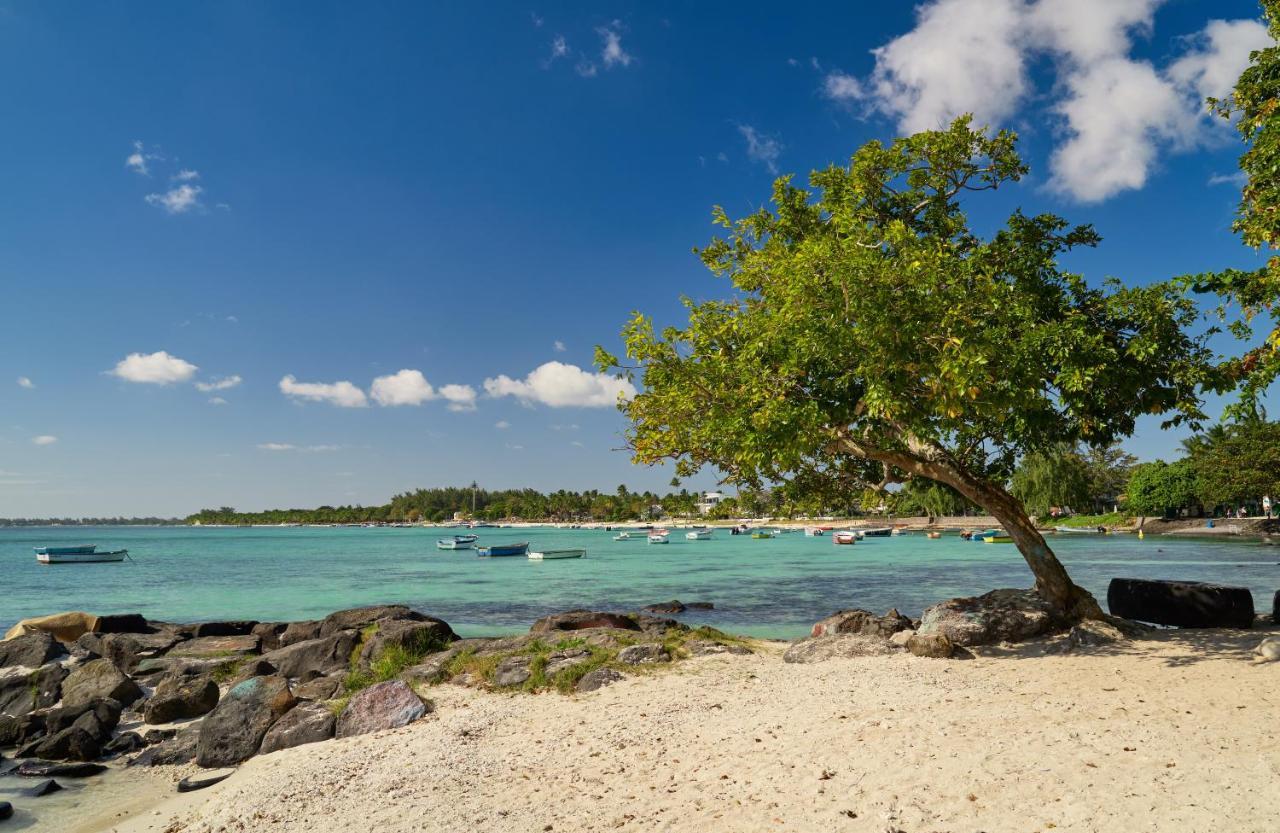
x=1177 y=733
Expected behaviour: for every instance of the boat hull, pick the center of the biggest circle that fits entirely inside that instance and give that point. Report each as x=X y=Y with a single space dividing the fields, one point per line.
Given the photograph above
x=503 y=550
x=553 y=555
x=453 y=545
x=81 y=557
x=698 y=535
x=83 y=549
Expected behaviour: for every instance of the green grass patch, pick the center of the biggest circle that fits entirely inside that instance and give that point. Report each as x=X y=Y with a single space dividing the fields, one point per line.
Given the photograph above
x=225 y=672
x=339 y=705
x=1109 y=519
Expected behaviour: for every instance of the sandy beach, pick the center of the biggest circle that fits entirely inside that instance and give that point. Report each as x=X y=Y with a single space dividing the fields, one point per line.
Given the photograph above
x=1176 y=732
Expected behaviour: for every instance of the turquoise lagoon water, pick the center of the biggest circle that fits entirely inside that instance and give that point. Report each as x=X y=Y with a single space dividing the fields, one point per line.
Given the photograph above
x=770 y=588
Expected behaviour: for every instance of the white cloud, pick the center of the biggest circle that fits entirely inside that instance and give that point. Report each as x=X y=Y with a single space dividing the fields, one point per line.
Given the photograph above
x=44 y=439
x=1118 y=115
x=217 y=400
x=577 y=444
x=292 y=447
x=559 y=49
x=408 y=387
x=573 y=426
x=1223 y=51
x=24 y=382
x=224 y=383
x=460 y=397
x=186 y=175
x=1239 y=179
x=586 y=69
x=157 y=368
x=761 y=148
x=612 y=54
x=502 y=425
x=562 y=385
x=177 y=200
x=558 y=346
x=137 y=161
x=342 y=394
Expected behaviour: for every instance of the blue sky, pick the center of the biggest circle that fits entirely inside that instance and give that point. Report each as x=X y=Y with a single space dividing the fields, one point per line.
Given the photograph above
x=248 y=193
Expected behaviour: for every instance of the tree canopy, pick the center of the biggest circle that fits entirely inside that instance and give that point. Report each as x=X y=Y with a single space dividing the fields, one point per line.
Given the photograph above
x=1057 y=476
x=873 y=335
x=1160 y=487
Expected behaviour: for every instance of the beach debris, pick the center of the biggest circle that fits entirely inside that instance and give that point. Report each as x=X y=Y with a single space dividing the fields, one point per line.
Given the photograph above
x=1268 y=650
x=598 y=678
x=1186 y=604
x=934 y=645
x=838 y=646
x=98 y=679
x=233 y=731
x=1006 y=615
x=304 y=723
x=862 y=621
x=387 y=705
x=643 y=654
x=204 y=779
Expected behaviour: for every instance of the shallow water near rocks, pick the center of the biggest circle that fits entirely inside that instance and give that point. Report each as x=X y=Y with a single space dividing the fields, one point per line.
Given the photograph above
x=774 y=588
x=83 y=803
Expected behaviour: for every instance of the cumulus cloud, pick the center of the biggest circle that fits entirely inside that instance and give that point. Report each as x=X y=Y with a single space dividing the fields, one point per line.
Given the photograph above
x=157 y=368
x=342 y=394
x=408 y=387
x=560 y=385
x=186 y=175
x=222 y=383
x=612 y=53
x=1239 y=179
x=460 y=397
x=44 y=439
x=761 y=148
x=177 y=200
x=24 y=382
x=137 y=161
x=502 y=425
x=558 y=346
x=1117 y=115
x=217 y=400
x=559 y=49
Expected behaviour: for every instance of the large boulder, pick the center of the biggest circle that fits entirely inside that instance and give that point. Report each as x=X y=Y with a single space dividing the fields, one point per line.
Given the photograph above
x=304 y=723
x=233 y=731
x=30 y=650
x=16 y=731
x=23 y=690
x=70 y=744
x=361 y=617
x=315 y=657
x=419 y=636
x=862 y=621
x=96 y=680
x=388 y=705
x=177 y=697
x=576 y=620
x=225 y=647
x=934 y=645
x=298 y=632
x=126 y=650
x=1185 y=604
x=838 y=646
x=123 y=623
x=98 y=717
x=228 y=628
x=321 y=688
x=998 y=616
x=269 y=634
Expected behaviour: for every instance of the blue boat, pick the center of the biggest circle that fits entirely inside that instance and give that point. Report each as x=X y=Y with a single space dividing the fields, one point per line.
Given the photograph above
x=83 y=549
x=496 y=550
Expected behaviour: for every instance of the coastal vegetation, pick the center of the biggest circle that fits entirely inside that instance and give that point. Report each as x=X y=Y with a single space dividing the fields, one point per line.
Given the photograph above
x=874 y=337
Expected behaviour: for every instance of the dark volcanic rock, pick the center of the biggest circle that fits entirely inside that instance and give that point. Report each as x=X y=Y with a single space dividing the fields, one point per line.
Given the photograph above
x=104 y=711
x=204 y=779
x=361 y=617
x=673 y=606
x=252 y=667
x=6 y=810
x=42 y=789
x=314 y=657
x=418 y=635
x=178 y=697
x=127 y=650
x=388 y=705
x=233 y=731
x=123 y=623
x=269 y=634
x=31 y=650
x=1186 y=604
x=998 y=616
x=176 y=750
x=23 y=691
x=643 y=654
x=598 y=678
x=863 y=622
x=298 y=632
x=233 y=628
x=321 y=688
x=574 y=620
x=39 y=769
x=304 y=723
x=431 y=670
x=154 y=736
x=72 y=744
x=224 y=647
x=123 y=744
x=96 y=680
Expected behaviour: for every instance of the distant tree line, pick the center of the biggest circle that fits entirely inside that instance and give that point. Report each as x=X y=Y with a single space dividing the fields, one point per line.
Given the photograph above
x=89 y=521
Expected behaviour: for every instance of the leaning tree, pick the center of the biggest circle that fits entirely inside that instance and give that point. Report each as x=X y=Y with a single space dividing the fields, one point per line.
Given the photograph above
x=874 y=336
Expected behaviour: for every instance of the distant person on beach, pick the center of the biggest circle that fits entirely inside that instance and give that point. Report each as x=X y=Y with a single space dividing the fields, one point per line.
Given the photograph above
x=1266 y=506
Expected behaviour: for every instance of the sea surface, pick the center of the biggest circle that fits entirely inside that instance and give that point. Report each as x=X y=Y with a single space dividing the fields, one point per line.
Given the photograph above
x=768 y=588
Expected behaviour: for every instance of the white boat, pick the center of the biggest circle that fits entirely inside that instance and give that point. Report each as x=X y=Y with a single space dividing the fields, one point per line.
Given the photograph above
x=458 y=542
x=1080 y=530
x=81 y=557
x=845 y=537
x=876 y=532
x=814 y=531
x=659 y=537
x=625 y=536
x=698 y=535
x=550 y=555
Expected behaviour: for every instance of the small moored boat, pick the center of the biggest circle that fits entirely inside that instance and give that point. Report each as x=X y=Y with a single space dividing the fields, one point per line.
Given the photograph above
x=933 y=536
x=659 y=536
x=998 y=538
x=763 y=533
x=551 y=555
x=82 y=549
x=90 y=557
x=1080 y=530
x=457 y=542
x=698 y=535
x=497 y=550
x=814 y=531
x=876 y=532
x=626 y=536
x=844 y=537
